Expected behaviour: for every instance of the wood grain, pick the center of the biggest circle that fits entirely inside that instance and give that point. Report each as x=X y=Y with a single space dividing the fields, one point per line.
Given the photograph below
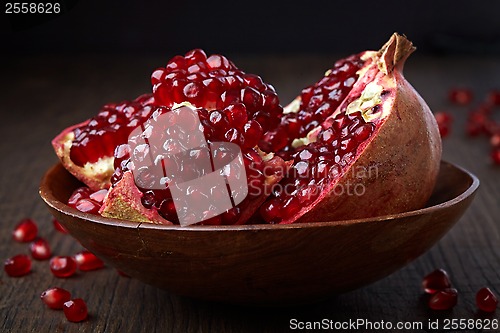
x=41 y=96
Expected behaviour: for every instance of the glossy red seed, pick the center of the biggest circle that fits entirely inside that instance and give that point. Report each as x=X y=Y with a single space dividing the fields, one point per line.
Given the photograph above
x=59 y=227
x=236 y=115
x=252 y=133
x=443 y=117
x=494 y=97
x=25 y=231
x=495 y=141
x=495 y=156
x=436 y=281
x=98 y=196
x=18 y=265
x=63 y=266
x=87 y=261
x=460 y=96
x=88 y=206
x=444 y=299
x=79 y=193
x=55 y=298
x=75 y=310
x=486 y=300
x=40 y=249
x=270 y=210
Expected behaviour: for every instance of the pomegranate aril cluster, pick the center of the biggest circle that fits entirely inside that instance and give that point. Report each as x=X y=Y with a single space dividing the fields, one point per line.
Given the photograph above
x=111 y=127
x=317 y=102
x=214 y=82
x=316 y=164
x=230 y=124
x=87 y=201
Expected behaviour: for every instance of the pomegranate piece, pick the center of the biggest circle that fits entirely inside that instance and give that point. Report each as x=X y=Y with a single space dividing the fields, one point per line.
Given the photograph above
x=40 y=249
x=460 y=96
x=18 y=265
x=486 y=300
x=444 y=299
x=55 y=298
x=75 y=310
x=59 y=227
x=25 y=231
x=63 y=266
x=436 y=281
x=87 y=261
x=347 y=123
x=444 y=121
x=86 y=149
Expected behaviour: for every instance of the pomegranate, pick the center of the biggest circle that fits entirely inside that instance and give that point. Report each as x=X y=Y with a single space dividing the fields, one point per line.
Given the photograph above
x=436 y=281
x=460 y=96
x=444 y=299
x=86 y=149
x=486 y=300
x=55 y=297
x=25 y=231
x=87 y=261
x=375 y=152
x=63 y=266
x=444 y=121
x=75 y=310
x=18 y=265
x=40 y=249
x=360 y=142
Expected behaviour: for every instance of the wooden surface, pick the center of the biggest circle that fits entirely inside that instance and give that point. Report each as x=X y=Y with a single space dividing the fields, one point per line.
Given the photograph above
x=41 y=96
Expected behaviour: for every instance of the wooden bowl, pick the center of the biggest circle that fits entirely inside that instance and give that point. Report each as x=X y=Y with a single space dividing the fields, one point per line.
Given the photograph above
x=264 y=264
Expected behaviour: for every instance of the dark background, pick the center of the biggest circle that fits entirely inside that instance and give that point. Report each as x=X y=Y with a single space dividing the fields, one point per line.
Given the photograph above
x=255 y=27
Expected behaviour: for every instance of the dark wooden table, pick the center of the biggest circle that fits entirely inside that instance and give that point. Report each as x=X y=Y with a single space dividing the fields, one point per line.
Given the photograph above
x=41 y=96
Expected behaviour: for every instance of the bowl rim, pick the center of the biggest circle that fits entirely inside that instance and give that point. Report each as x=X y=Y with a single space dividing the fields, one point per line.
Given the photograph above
x=49 y=198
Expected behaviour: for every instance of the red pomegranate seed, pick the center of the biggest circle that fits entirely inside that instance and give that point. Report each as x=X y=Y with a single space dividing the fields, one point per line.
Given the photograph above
x=98 y=196
x=495 y=156
x=486 y=300
x=460 y=96
x=25 y=231
x=88 y=206
x=444 y=121
x=55 y=298
x=444 y=299
x=63 y=266
x=495 y=141
x=18 y=265
x=40 y=249
x=78 y=194
x=436 y=281
x=87 y=261
x=494 y=97
x=59 y=227
x=75 y=310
